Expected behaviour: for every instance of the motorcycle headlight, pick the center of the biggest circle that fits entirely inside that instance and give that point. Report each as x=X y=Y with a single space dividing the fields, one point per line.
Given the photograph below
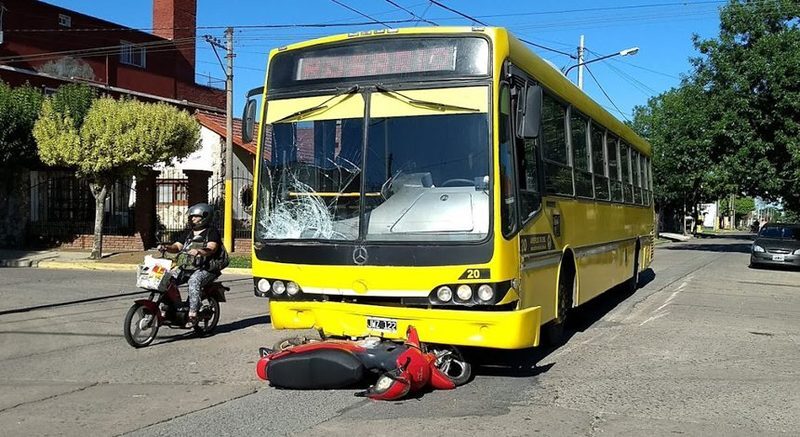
x=485 y=292
x=382 y=384
x=278 y=287
x=263 y=285
x=444 y=294
x=757 y=248
x=464 y=292
x=292 y=288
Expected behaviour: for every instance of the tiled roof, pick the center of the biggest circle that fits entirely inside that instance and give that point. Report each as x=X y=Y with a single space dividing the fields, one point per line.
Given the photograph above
x=217 y=123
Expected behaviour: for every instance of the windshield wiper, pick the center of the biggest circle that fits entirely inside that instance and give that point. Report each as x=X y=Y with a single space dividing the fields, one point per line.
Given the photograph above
x=424 y=103
x=324 y=105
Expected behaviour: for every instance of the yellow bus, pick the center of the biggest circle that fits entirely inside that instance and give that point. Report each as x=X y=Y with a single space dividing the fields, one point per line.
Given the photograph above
x=445 y=178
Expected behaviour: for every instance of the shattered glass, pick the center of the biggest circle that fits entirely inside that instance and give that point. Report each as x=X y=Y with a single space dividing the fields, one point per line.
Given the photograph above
x=424 y=177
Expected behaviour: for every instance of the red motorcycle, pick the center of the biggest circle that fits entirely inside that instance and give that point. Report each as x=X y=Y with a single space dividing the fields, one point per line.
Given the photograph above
x=166 y=307
x=403 y=368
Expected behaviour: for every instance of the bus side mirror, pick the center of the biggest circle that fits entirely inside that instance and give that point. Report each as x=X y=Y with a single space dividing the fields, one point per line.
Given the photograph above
x=248 y=121
x=249 y=115
x=529 y=121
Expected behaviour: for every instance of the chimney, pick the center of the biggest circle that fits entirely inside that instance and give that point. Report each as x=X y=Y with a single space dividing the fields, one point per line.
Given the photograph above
x=177 y=20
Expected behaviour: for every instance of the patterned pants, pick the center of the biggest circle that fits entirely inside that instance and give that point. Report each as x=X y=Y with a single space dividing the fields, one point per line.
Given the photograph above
x=198 y=280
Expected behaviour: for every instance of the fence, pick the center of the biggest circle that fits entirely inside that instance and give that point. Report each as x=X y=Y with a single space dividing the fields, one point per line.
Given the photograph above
x=63 y=207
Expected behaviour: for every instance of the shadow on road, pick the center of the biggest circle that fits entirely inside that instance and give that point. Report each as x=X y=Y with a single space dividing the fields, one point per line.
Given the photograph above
x=244 y=323
x=523 y=363
x=706 y=243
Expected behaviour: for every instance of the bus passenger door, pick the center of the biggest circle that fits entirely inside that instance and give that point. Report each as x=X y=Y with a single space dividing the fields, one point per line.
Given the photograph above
x=538 y=256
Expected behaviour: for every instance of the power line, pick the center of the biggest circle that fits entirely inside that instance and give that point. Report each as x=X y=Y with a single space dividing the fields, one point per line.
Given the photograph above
x=241 y=26
x=101 y=51
x=411 y=12
x=475 y=20
x=484 y=24
x=361 y=13
x=605 y=93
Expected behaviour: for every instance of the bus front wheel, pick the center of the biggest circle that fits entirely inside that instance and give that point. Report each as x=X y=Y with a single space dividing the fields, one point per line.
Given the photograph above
x=553 y=332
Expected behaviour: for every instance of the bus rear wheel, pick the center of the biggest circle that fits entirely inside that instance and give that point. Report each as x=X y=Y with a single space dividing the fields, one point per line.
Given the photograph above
x=553 y=332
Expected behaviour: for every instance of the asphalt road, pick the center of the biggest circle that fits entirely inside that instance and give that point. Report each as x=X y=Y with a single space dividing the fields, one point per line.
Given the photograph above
x=706 y=346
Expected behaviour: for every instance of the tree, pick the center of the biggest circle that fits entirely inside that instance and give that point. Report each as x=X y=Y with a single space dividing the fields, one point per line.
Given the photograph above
x=684 y=172
x=751 y=81
x=19 y=108
x=117 y=138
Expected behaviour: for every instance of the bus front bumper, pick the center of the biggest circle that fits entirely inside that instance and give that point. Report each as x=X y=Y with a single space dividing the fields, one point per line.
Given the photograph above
x=516 y=329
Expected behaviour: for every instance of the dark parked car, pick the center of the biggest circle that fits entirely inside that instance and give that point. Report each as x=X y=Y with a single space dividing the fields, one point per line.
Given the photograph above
x=777 y=244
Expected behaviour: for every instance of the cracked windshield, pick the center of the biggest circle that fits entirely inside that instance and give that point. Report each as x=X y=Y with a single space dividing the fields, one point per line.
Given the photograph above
x=425 y=178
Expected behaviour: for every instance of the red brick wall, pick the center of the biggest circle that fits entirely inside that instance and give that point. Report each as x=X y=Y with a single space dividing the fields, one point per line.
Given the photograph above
x=111 y=243
x=242 y=245
x=167 y=73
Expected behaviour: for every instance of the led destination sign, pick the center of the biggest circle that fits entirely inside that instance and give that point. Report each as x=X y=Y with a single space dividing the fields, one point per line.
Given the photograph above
x=426 y=59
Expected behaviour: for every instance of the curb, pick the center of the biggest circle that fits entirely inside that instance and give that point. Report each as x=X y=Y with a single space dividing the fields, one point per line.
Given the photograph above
x=90 y=265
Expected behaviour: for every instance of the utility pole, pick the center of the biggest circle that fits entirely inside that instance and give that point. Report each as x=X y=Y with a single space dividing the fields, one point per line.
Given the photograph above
x=228 y=227
x=580 y=64
x=227 y=167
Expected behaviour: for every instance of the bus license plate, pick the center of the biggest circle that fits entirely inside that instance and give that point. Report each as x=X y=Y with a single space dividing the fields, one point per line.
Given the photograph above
x=779 y=257
x=382 y=325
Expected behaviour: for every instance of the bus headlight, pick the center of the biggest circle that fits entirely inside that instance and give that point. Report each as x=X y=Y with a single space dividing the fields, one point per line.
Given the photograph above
x=292 y=288
x=262 y=285
x=485 y=292
x=278 y=287
x=444 y=294
x=464 y=292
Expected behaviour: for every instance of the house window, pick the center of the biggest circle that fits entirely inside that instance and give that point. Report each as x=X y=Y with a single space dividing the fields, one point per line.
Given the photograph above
x=64 y=20
x=172 y=192
x=131 y=54
x=2 y=12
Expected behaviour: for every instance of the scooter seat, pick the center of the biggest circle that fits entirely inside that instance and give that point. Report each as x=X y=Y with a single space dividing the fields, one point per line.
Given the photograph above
x=318 y=369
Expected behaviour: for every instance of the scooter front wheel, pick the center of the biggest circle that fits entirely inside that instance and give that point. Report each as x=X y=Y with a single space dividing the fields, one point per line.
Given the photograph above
x=208 y=316
x=141 y=326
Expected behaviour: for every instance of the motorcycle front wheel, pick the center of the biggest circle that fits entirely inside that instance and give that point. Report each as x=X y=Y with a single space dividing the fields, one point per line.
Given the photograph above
x=141 y=326
x=207 y=317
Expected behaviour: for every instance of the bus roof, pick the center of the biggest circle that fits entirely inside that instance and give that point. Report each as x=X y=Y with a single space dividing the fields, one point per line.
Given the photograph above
x=525 y=58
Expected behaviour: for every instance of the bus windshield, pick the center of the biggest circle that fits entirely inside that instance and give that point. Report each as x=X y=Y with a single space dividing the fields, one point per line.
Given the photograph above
x=422 y=178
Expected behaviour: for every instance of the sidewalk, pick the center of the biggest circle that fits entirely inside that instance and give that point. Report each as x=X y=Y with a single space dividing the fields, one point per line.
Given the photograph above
x=73 y=259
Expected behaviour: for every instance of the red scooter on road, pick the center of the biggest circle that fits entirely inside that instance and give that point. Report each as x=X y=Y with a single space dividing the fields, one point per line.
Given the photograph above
x=165 y=307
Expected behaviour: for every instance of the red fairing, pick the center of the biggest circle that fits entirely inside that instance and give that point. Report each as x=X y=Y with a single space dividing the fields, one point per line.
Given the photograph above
x=261 y=368
x=415 y=371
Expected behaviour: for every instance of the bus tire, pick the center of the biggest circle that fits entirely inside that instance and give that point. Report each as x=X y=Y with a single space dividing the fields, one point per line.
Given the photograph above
x=553 y=332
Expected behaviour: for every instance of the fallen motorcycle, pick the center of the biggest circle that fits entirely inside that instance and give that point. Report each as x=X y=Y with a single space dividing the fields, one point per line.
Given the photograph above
x=403 y=368
x=165 y=305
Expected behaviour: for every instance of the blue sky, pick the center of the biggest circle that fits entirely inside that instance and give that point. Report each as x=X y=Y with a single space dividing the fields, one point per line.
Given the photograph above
x=662 y=29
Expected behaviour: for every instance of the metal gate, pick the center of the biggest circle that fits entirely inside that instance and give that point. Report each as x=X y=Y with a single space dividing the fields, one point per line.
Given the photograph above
x=242 y=204
x=62 y=207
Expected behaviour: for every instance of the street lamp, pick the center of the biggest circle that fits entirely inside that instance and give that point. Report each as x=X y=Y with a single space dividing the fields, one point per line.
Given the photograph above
x=627 y=52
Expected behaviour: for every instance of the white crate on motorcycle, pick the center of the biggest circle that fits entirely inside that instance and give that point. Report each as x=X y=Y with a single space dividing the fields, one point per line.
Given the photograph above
x=154 y=274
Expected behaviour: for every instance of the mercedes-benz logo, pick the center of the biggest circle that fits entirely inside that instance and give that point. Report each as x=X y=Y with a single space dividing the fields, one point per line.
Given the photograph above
x=360 y=255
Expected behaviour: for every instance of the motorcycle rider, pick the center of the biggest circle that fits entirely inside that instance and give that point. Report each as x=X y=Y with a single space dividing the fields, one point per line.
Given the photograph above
x=201 y=239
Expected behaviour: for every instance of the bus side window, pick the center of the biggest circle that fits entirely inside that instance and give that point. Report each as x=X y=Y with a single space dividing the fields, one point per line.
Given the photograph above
x=508 y=203
x=580 y=154
x=558 y=174
x=601 y=191
x=613 y=168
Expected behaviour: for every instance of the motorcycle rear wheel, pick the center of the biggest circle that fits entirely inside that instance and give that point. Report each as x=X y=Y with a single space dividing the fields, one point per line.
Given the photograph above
x=208 y=316
x=140 y=319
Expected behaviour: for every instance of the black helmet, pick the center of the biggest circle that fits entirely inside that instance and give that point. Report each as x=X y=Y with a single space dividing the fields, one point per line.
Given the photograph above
x=202 y=210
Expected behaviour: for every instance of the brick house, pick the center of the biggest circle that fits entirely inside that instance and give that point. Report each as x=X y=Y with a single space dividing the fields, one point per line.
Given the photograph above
x=47 y=46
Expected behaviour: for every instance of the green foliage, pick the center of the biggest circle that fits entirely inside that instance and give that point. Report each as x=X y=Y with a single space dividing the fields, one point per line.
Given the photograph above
x=752 y=82
x=116 y=137
x=734 y=124
x=683 y=170
x=742 y=205
x=74 y=100
x=19 y=108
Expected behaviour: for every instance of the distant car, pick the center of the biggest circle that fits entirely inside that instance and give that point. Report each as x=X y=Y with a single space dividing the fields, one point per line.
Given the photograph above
x=777 y=244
